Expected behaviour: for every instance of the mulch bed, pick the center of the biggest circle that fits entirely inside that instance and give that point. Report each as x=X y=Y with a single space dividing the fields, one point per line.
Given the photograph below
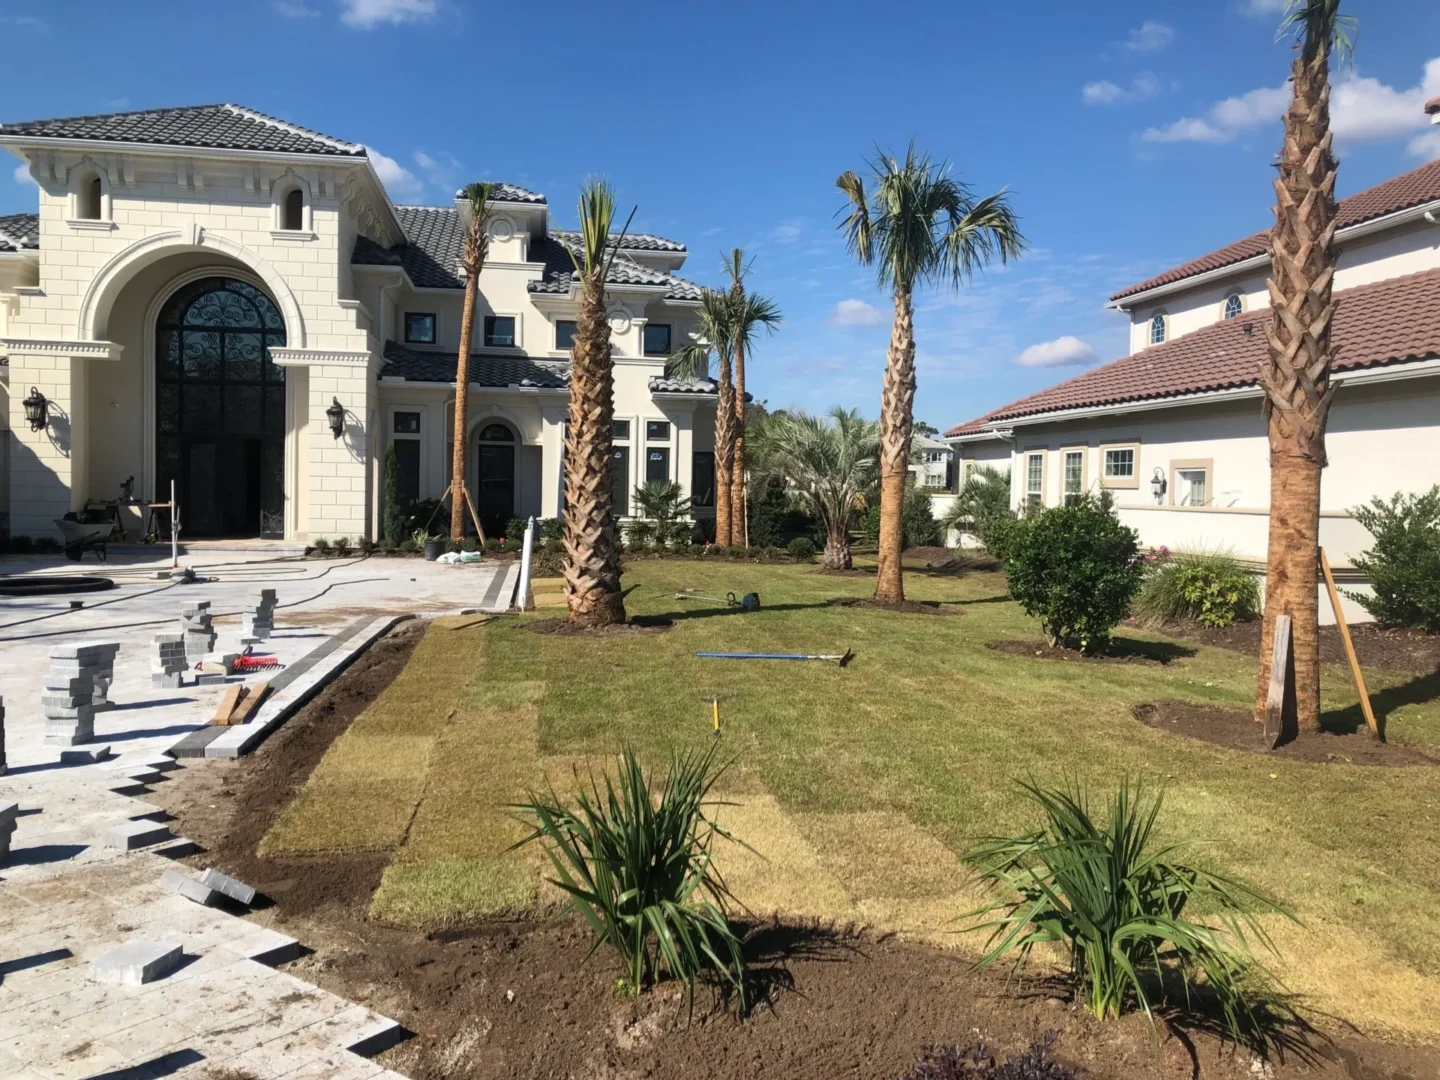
x=1400 y=649
x=517 y=998
x=904 y=607
x=941 y=558
x=639 y=624
x=1122 y=651
x=1236 y=729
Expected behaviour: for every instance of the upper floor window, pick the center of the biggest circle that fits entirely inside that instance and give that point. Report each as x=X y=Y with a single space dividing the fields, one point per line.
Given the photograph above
x=657 y=339
x=292 y=211
x=1157 y=328
x=88 y=199
x=499 y=331
x=657 y=431
x=564 y=333
x=419 y=328
x=407 y=423
x=620 y=429
x=1234 y=305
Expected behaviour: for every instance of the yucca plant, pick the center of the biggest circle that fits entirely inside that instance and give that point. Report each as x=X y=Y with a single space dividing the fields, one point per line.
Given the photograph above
x=1122 y=905
x=637 y=865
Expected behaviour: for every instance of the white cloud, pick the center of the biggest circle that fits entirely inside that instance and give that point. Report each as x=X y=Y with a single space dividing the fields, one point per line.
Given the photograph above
x=1426 y=146
x=22 y=174
x=26 y=22
x=1150 y=36
x=1067 y=351
x=441 y=170
x=364 y=14
x=1226 y=119
x=399 y=181
x=787 y=232
x=1106 y=92
x=1260 y=8
x=293 y=9
x=856 y=313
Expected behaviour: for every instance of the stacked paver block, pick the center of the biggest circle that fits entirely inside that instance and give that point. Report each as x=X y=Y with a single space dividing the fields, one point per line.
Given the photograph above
x=167 y=661
x=105 y=676
x=258 y=620
x=69 y=693
x=195 y=624
x=8 y=812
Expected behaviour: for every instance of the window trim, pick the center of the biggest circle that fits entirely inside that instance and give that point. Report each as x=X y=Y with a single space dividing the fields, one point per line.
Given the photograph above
x=413 y=436
x=1043 y=452
x=81 y=177
x=1164 y=317
x=555 y=335
x=1225 y=305
x=280 y=190
x=1120 y=483
x=515 y=334
x=1206 y=464
x=434 y=324
x=1065 y=452
x=670 y=327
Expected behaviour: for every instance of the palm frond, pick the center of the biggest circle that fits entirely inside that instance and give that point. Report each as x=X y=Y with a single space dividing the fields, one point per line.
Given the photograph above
x=828 y=463
x=1316 y=26
x=713 y=337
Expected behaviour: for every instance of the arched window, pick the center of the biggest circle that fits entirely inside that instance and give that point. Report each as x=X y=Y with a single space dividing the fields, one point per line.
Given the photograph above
x=88 y=199
x=292 y=214
x=1157 y=328
x=496 y=433
x=1234 y=305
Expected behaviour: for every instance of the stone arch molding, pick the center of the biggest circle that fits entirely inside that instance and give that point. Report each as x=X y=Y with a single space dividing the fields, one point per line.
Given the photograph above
x=100 y=297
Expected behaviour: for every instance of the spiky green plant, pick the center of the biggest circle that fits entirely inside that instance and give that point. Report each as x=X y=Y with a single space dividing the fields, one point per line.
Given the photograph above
x=639 y=869
x=1122 y=905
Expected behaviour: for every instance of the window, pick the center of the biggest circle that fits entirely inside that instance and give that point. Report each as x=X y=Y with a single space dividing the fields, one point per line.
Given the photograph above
x=1191 y=487
x=620 y=429
x=620 y=479
x=88 y=200
x=292 y=214
x=657 y=430
x=934 y=480
x=1120 y=465
x=407 y=472
x=419 y=328
x=499 y=331
x=1035 y=478
x=1234 y=305
x=1157 y=328
x=702 y=478
x=657 y=464
x=564 y=333
x=1074 y=475
x=496 y=433
x=407 y=423
x=657 y=339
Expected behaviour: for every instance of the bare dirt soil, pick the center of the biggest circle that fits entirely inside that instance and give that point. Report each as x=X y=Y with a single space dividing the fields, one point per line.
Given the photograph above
x=1121 y=651
x=638 y=624
x=1236 y=729
x=518 y=999
x=904 y=607
x=1400 y=649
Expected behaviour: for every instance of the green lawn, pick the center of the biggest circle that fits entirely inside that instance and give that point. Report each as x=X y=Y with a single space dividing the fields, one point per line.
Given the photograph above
x=860 y=787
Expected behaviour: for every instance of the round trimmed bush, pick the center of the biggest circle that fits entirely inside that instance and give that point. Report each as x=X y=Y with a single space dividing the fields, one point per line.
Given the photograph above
x=1210 y=587
x=802 y=547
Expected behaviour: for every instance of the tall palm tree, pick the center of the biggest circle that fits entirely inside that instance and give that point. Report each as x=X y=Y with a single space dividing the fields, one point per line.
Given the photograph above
x=1296 y=379
x=693 y=361
x=472 y=258
x=592 y=548
x=748 y=312
x=916 y=225
x=828 y=465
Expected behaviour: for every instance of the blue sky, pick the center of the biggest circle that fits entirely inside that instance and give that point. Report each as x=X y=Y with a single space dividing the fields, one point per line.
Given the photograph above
x=1132 y=136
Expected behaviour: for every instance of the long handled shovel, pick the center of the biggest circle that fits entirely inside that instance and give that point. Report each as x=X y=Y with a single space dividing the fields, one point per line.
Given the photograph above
x=842 y=659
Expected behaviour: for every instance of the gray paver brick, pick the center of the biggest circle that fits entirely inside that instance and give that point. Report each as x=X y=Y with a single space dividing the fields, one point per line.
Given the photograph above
x=129 y=835
x=137 y=962
x=185 y=885
x=231 y=887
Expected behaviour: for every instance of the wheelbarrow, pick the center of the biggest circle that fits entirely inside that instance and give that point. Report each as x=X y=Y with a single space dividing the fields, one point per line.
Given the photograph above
x=86 y=530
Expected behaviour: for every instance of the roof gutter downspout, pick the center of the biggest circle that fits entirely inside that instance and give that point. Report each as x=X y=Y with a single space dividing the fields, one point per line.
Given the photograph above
x=382 y=444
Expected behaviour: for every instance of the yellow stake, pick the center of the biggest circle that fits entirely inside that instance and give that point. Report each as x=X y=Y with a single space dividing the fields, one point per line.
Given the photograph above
x=715 y=709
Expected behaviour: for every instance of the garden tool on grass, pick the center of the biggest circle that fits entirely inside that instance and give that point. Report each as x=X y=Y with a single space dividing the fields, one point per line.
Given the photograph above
x=749 y=602
x=843 y=659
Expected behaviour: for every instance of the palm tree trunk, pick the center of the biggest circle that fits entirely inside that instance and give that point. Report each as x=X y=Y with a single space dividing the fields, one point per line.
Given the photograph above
x=738 y=530
x=1296 y=379
x=897 y=415
x=592 y=563
x=837 y=551
x=724 y=452
x=462 y=401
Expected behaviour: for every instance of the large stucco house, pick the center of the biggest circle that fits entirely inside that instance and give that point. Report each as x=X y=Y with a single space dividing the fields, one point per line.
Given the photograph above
x=1173 y=429
x=203 y=289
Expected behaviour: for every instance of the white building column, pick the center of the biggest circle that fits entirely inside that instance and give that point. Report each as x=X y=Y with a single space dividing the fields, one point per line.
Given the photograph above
x=552 y=441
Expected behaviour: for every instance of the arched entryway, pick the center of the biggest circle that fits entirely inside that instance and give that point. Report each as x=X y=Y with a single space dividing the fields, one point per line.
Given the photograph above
x=495 y=476
x=220 y=409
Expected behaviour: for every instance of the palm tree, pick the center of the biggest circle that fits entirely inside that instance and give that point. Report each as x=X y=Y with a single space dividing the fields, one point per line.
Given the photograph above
x=592 y=548
x=984 y=498
x=748 y=312
x=693 y=361
x=916 y=225
x=472 y=258
x=828 y=465
x=1296 y=380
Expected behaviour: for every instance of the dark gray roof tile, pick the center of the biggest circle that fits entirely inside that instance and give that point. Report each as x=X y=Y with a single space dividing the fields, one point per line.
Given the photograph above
x=486 y=369
x=228 y=127
x=19 y=231
x=629 y=242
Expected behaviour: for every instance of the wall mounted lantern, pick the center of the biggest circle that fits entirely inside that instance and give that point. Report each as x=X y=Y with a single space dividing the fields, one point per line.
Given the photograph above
x=36 y=409
x=336 y=413
x=1158 y=486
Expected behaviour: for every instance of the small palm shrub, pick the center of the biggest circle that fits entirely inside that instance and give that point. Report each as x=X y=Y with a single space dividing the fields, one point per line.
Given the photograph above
x=982 y=508
x=1210 y=587
x=802 y=548
x=957 y=1063
x=1076 y=569
x=1122 y=906
x=321 y=546
x=638 y=869
x=342 y=547
x=365 y=546
x=1404 y=564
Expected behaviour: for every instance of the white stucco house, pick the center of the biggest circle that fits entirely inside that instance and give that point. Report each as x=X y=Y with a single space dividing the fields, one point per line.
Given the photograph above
x=202 y=289
x=932 y=463
x=1174 y=430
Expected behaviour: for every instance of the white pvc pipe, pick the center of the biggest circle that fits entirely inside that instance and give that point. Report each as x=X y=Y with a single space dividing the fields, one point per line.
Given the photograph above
x=522 y=594
x=174 y=529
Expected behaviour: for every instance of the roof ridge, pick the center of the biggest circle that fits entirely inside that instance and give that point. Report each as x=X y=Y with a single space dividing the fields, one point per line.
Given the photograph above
x=125 y=112
x=293 y=129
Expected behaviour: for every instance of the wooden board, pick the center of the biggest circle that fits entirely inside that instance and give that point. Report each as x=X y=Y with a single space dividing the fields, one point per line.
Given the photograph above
x=1350 y=655
x=228 y=704
x=1280 y=701
x=250 y=704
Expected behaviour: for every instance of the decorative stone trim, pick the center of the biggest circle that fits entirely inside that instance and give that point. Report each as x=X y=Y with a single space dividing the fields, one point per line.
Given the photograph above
x=314 y=357
x=97 y=350
x=90 y=225
x=292 y=236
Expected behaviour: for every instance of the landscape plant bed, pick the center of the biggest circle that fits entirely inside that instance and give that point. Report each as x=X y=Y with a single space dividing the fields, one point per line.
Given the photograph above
x=1236 y=729
x=904 y=607
x=632 y=626
x=1120 y=651
x=1398 y=649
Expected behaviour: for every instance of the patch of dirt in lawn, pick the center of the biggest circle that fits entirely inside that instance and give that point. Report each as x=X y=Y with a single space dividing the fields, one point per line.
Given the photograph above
x=904 y=607
x=854 y=571
x=1236 y=729
x=638 y=624
x=1401 y=649
x=1121 y=651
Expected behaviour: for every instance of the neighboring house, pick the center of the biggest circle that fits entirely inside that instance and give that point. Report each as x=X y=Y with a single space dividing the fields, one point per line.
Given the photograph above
x=932 y=463
x=206 y=292
x=1174 y=430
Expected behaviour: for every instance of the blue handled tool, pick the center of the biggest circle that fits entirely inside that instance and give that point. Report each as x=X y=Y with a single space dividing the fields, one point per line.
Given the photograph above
x=843 y=659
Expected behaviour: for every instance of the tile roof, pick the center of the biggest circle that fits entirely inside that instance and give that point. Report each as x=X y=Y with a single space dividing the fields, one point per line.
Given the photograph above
x=229 y=127
x=1402 y=192
x=560 y=270
x=1389 y=322
x=629 y=242
x=512 y=193
x=659 y=384
x=1432 y=106
x=486 y=369
x=19 y=231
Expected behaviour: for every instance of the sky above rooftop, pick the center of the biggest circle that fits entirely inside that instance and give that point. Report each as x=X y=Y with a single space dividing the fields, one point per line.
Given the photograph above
x=1132 y=136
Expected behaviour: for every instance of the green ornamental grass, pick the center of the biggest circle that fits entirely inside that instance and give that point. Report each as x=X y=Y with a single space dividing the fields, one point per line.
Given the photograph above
x=1211 y=587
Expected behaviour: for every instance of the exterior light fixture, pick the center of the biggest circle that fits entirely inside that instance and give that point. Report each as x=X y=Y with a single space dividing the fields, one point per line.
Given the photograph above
x=1158 y=486
x=36 y=409
x=336 y=413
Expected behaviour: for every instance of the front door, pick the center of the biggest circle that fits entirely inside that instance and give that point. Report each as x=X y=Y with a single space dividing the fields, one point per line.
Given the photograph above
x=495 y=479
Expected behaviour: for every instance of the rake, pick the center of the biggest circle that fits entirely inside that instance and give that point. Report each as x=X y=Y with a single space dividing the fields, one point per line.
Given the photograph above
x=843 y=659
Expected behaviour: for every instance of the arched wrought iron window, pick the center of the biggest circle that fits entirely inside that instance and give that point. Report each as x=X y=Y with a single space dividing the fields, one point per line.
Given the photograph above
x=1157 y=328
x=1233 y=305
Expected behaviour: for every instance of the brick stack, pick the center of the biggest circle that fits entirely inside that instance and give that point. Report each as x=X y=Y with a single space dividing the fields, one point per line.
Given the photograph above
x=8 y=812
x=167 y=661
x=69 y=695
x=195 y=624
x=258 y=620
x=105 y=676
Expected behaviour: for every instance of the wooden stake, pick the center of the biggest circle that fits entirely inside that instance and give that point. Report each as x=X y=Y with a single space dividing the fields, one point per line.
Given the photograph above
x=228 y=704
x=250 y=704
x=474 y=517
x=1355 y=672
x=1280 y=701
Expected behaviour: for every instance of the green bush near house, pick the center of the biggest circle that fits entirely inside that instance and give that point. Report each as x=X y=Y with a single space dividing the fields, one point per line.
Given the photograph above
x=1210 y=587
x=917 y=522
x=394 y=516
x=1404 y=564
x=802 y=547
x=982 y=509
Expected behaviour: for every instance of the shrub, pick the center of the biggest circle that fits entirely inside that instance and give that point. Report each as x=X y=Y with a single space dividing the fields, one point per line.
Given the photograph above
x=1076 y=569
x=365 y=546
x=666 y=510
x=549 y=561
x=342 y=547
x=718 y=551
x=321 y=546
x=918 y=527
x=998 y=535
x=552 y=530
x=470 y=543
x=954 y=1063
x=394 y=516
x=1404 y=564
x=47 y=545
x=515 y=529
x=982 y=508
x=20 y=545
x=428 y=515
x=802 y=548
x=638 y=869
x=1120 y=905
x=772 y=553
x=696 y=550
x=388 y=546
x=639 y=535
x=1210 y=587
